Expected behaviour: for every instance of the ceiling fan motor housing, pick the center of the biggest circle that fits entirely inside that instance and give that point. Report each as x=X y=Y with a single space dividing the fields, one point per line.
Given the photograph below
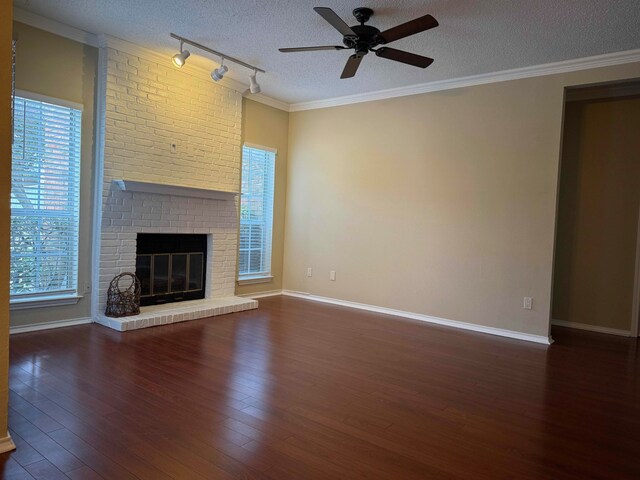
x=367 y=38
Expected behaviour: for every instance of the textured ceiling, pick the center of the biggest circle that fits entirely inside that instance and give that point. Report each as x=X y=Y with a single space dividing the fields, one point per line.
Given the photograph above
x=474 y=37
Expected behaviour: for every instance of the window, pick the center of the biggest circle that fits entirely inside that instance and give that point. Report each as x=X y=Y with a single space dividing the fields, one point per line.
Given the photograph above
x=45 y=191
x=256 y=213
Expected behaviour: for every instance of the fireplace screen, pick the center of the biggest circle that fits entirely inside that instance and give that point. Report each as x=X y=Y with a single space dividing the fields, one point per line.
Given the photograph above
x=171 y=268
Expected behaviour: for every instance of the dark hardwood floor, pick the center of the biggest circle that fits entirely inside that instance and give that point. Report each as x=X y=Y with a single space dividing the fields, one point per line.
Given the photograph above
x=301 y=390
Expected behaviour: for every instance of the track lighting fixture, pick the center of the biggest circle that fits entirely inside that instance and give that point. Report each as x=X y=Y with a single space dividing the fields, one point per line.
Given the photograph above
x=179 y=59
x=217 y=75
x=219 y=72
x=254 y=86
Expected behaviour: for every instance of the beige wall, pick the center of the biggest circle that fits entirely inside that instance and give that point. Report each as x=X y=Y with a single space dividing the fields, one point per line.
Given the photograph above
x=269 y=127
x=598 y=213
x=6 y=16
x=57 y=67
x=440 y=204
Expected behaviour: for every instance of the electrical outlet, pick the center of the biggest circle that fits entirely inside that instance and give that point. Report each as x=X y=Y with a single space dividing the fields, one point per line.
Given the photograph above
x=309 y=272
x=332 y=275
x=527 y=303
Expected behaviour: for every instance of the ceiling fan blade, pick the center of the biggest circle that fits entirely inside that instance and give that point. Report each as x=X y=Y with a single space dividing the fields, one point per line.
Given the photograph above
x=404 y=57
x=351 y=67
x=409 y=28
x=335 y=21
x=312 y=49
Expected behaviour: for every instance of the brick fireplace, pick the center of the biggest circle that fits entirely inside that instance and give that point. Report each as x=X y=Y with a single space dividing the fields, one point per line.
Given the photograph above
x=172 y=157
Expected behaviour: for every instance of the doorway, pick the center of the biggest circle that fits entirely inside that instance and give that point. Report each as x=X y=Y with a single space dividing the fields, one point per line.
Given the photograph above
x=597 y=256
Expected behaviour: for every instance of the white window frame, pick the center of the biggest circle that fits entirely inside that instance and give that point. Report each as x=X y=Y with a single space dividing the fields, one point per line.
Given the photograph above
x=264 y=277
x=63 y=297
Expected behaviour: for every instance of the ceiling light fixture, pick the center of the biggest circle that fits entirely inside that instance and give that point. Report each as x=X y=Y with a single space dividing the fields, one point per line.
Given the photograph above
x=254 y=86
x=219 y=72
x=179 y=59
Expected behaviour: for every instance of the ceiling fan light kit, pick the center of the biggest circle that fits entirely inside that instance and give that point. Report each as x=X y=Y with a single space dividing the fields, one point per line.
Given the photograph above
x=366 y=38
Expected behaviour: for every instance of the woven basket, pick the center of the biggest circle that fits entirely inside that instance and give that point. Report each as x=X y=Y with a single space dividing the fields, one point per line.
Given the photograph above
x=123 y=301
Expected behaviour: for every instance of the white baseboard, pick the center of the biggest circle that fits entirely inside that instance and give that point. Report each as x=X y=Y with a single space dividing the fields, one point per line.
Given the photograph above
x=6 y=444
x=270 y=293
x=591 y=328
x=48 y=325
x=425 y=318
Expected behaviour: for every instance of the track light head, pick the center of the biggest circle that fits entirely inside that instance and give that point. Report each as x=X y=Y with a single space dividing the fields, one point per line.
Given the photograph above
x=254 y=87
x=179 y=59
x=219 y=72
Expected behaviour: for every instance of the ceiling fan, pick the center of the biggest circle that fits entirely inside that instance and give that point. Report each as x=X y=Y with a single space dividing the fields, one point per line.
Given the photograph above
x=365 y=38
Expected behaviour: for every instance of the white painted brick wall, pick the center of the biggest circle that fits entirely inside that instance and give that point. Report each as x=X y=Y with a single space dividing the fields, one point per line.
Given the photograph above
x=149 y=107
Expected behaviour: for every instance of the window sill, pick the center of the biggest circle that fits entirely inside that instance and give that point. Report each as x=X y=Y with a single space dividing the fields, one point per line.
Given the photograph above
x=252 y=280
x=40 y=302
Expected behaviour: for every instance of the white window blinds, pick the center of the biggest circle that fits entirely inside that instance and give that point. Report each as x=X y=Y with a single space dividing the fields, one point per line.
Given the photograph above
x=45 y=190
x=256 y=212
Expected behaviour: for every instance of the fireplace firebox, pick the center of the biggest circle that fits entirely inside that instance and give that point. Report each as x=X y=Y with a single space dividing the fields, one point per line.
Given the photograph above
x=171 y=267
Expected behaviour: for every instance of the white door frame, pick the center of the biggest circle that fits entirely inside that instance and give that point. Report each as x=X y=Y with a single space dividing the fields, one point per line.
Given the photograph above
x=635 y=309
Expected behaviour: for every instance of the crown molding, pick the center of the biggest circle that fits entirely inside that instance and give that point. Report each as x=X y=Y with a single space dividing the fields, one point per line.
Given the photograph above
x=73 y=33
x=55 y=27
x=269 y=101
x=606 y=60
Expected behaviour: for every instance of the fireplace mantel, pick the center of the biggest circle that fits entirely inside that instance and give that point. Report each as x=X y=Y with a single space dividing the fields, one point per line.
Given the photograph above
x=177 y=190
